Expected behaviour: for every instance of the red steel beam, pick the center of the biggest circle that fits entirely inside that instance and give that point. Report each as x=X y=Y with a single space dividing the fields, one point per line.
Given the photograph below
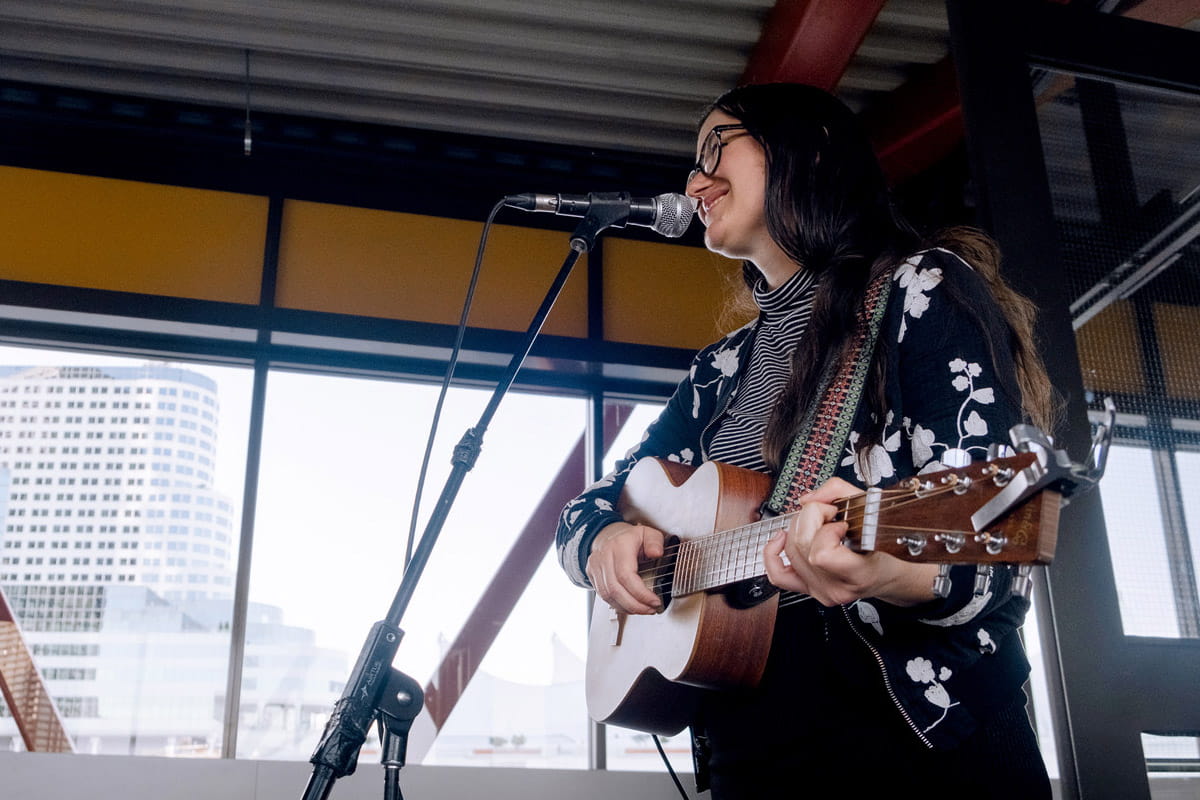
x=810 y=41
x=463 y=657
x=918 y=123
x=25 y=693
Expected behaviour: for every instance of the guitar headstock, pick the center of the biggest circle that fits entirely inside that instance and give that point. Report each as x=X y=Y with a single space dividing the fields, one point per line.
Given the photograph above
x=932 y=518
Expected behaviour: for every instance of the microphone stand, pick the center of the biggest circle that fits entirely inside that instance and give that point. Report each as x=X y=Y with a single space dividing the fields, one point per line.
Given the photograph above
x=376 y=691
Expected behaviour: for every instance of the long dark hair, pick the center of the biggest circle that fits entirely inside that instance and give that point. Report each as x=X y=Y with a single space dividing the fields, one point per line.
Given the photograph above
x=828 y=206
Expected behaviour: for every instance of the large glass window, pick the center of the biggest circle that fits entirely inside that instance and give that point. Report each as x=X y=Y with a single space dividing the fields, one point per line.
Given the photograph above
x=339 y=467
x=122 y=485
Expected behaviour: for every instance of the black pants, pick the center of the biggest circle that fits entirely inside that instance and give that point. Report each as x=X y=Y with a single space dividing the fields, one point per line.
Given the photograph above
x=805 y=729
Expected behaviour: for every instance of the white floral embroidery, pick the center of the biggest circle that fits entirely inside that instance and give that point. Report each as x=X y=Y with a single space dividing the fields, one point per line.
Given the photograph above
x=869 y=614
x=967 y=612
x=986 y=644
x=603 y=504
x=921 y=671
x=932 y=466
x=727 y=361
x=724 y=361
x=686 y=455
x=604 y=482
x=916 y=283
x=923 y=440
x=876 y=464
x=973 y=425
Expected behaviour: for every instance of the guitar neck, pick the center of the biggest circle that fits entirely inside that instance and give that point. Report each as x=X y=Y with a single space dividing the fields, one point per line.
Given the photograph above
x=921 y=520
x=725 y=557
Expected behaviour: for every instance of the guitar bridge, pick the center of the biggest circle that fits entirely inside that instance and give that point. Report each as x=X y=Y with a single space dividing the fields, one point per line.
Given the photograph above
x=616 y=621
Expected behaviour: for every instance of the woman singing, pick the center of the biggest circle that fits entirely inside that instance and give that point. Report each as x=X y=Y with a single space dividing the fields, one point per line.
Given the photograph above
x=895 y=678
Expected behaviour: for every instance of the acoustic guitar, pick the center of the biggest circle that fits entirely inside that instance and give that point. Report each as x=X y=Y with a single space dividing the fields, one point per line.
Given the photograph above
x=641 y=669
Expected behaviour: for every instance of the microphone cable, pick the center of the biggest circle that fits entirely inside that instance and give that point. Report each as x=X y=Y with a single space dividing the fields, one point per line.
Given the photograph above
x=449 y=376
x=437 y=413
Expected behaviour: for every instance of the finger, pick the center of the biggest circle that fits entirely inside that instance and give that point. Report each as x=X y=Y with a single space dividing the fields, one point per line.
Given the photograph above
x=778 y=565
x=624 y=598
x=831 y=490
x=626 y=581
x=653 y=541
x=827 y=551
x=774 y=546
x=634 y=587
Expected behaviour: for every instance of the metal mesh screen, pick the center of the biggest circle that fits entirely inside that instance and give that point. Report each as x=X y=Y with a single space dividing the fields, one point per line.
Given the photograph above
x=1123 y=164
x=1124 y=170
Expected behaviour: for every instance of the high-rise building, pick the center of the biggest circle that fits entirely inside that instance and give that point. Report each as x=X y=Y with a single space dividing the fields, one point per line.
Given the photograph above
x=118 y=555
x=111 y=472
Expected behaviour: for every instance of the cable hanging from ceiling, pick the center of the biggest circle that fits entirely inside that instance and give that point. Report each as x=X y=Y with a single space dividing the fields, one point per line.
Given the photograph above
x=247 y=137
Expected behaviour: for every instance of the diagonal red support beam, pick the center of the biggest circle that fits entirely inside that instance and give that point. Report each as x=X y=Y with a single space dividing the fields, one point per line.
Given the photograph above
x=918 y=123
x=810 y=41
x=36 y=716
x=512 y=577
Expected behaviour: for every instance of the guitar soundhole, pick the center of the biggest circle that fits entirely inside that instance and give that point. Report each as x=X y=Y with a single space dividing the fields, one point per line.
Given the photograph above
x=664 y=571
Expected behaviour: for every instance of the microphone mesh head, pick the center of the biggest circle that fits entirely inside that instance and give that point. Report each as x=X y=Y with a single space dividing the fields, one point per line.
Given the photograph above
x=675 y=212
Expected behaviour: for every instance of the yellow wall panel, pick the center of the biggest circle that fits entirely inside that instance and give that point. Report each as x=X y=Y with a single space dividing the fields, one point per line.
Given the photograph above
x=100 y=233
x=664 y=294
x=1176 y=327
x=408 y=266
x=1109 y=354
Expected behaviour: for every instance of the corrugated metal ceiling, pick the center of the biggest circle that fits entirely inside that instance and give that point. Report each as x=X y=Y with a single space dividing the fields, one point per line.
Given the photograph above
x=622 y=74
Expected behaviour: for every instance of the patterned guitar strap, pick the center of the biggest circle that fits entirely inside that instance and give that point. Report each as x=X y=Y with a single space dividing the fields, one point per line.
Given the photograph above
x=819 y=445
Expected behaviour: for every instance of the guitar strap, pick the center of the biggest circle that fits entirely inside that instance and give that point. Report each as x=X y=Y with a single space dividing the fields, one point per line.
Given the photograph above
x=817 y=450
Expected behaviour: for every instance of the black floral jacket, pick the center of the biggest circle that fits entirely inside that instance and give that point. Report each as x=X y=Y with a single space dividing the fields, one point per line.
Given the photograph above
x=949 y=396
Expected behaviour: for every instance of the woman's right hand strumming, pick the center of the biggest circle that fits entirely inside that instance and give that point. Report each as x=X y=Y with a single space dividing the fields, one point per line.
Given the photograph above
x=612 y=566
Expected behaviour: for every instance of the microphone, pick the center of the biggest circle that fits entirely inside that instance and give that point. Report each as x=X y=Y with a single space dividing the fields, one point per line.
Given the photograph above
x=668 y=214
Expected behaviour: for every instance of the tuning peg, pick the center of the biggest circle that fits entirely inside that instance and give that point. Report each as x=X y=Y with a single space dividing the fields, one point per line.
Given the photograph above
x=941 y=584
x=1002 y=475
x=992 y=542
x=983 y=579
x=915 y=542
x=953 y=542
x=999 y=450
x=1023 y=582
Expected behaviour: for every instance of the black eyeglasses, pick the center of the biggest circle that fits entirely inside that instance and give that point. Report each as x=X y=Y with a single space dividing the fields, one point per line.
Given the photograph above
x=710 y=151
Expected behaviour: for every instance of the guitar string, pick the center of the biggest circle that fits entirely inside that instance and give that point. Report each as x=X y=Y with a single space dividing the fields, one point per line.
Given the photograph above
x=750 y=529
x=850 y=504
x=744 y=561
x=750 y=536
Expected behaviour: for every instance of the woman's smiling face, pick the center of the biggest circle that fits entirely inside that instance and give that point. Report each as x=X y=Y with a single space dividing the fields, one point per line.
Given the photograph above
x=732 y=198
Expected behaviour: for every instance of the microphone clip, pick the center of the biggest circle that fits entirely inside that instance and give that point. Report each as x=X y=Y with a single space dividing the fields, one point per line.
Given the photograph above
x=604 y=210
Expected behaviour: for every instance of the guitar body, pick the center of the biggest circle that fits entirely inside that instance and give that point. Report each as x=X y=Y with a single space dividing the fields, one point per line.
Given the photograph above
x=641 y=668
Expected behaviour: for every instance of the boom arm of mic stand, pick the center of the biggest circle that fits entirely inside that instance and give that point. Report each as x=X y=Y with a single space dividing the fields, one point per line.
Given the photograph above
x=336 y=755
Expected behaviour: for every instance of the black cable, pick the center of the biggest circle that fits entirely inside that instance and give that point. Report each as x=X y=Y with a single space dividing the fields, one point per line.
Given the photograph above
x=437 y=411
x=671 y=770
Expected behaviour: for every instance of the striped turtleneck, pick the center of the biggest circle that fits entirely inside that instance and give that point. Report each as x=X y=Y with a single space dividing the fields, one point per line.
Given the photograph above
x=784 y=314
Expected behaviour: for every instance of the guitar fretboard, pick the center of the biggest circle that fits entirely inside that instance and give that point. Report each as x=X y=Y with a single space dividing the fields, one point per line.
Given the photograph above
x=723 y=558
